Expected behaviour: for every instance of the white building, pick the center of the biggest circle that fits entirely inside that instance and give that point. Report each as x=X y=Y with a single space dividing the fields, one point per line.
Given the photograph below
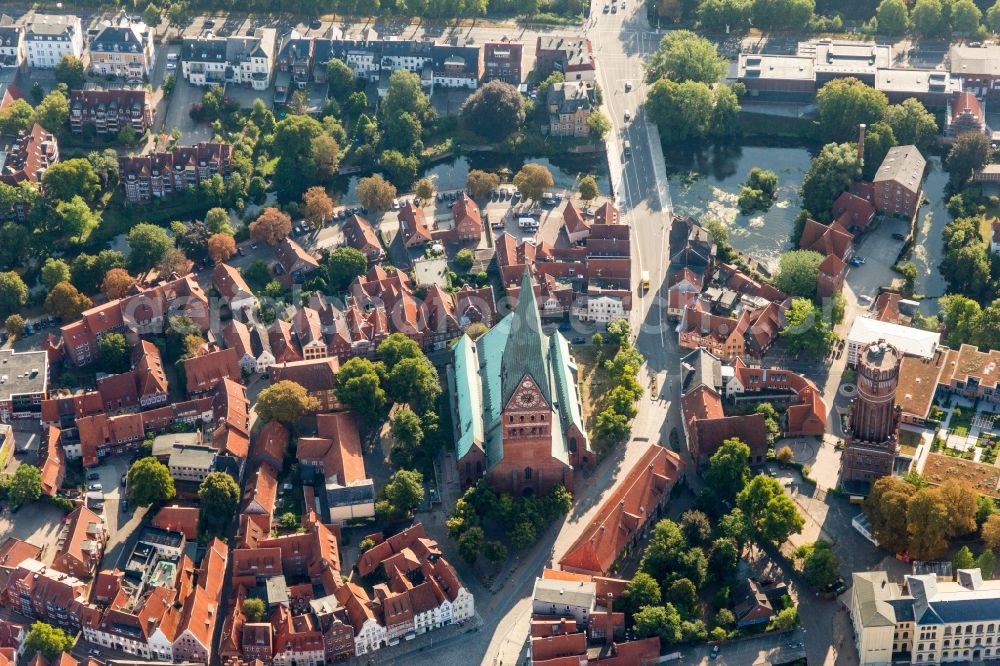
x=49 y=37
x=603 y=307
x=11 y=43
x=245 y=60
x=123 y=48
x=910 y=341
x=564 y=598
x=929 y=621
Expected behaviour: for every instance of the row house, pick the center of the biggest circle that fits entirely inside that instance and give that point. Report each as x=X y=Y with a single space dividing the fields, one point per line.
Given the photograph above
x=626 y=515
x=51 y=460
x=164 y=174
x=335 y=457
x=204 y=373
x=445 y=65
x=294 y=62
x=295 y=262
x=143 y=312
x=440 y=317
x=228 y=282
x=30 y=156
x=40 y=592
x=271 y=444
x=11 y=43
x=106 y=112
x=123 y=48
x=317 y=376
x=573 y=56
x=251 y=343
x=502 y=61
x=359 y=234
x=85 y=538
x=49 y=37
x=245 y=60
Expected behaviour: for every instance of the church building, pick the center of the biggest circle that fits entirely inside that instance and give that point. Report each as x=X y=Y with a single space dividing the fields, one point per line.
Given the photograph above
x=519 y=420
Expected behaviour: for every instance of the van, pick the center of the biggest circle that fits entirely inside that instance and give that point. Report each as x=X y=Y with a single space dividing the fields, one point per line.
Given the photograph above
x=527 y=223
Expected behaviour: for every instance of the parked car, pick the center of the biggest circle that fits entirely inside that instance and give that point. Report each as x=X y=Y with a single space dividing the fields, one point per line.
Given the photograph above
x=714 y=654
x=93 y=476
x=628 y=86
x=95 y=486
x=899 y=236
x=579 y=341
x=315 y=24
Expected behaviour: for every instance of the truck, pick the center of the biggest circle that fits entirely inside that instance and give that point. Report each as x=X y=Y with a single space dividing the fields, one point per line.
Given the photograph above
x=644 y=284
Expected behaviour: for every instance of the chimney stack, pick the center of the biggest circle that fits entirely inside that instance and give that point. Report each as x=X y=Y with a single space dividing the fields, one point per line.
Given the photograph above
x=861 y=144
x=609 y=638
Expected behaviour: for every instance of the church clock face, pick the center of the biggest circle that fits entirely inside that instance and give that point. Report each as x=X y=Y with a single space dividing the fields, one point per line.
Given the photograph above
x=526 y=398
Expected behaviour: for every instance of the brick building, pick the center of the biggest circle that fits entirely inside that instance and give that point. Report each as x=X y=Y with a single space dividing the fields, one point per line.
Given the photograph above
x=502 y=61
x=899 y=182
x=108 y=111
x=162 y=175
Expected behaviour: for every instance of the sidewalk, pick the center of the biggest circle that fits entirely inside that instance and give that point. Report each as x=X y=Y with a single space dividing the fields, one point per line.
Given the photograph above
x=392 y=654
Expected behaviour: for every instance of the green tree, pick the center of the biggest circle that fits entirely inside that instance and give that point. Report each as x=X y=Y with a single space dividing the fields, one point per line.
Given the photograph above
x=533 y=180
x=683 y=595
x=728 y=469
x=927 y=525
x=993 y=17
x=404 y=493
x=819 y=564
x=254 y=609
x=735 y=525
x=470 y=544
x=481 y=183
x=961 y=499
x=16 y=118
x=663 y=622
x=879 y=138
x=344 y=264
x=965 y=265
x=986 y=563
x=495 y=551
x=218 y=497
x=407 y=434
x=414 y=381
x=149 y=481
x=65 y=302
x=402 y=169
x=55 y=271
x=396 y=348
x=113 y=352
x=88 y=271
x=666 y=545
x=970 y=152
x=424 y=189
x=15 y=325
x=684 y=56
x=830 y=173
x=965 y=17
x=725 y=618
x=892 y=16
x=598 y=124
x=844 y=103
x=64 y=180
x=963 y=559
x=798 y=271
x=806 y=329
x=340 y=78
x=25 y=485
x=686 y=108
x=13 y=293
x=696 y=527
x=48 y=640
x=912 y=123
x=642 y=590
x=285 y=401
x=293 y=141
x=375 y=193
x=588 y=188
x=927 y=18
x=147 y=244
x=70 y=71
x=771 y=513
x=787 y=618
x=494 y=111
x=723 y=561
x=781 y=14
x=73 y=219
x=359 y=386
x=718 y=15
x=464 y=259
x=53 y=113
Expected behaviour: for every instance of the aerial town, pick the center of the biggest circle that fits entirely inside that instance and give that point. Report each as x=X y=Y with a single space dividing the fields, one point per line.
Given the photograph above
x=544 y=333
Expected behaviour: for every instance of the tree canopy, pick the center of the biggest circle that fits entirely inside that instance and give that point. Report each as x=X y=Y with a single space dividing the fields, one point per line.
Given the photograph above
x=684 y=56
x=25 y=485
x=494 y=111
x=48 y=640
x=798 y=271
x=148 y=244
x=285 y=401
x=149 y=481
x=844 y=103
x=831 y=172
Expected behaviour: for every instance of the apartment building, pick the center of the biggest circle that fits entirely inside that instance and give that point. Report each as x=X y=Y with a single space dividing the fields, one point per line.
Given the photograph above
x=29 y=157
x=502 y=61
x=11 y=43
x=899 y=181
x=570 y=104
x=106 y=112
x=162 y=175
x=123 y=48
x=244 y=60
x=49 y=37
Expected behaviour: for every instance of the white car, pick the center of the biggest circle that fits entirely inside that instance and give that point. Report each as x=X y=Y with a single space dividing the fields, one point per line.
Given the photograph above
x=395 y=204
x=628 y=115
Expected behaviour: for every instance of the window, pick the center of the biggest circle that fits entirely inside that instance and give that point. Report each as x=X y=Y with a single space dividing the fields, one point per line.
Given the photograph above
x=527 y=473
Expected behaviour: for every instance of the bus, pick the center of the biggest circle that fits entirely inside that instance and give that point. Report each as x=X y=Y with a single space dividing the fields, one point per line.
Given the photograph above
x=644 y=285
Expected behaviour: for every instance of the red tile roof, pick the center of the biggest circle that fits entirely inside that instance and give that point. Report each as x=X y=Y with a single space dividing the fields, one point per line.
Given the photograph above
x=229 y=282
x=271 y=443
x=183 y=519
x=206 y=371
x=413 y=226
x=632 y=501
x=826 y=239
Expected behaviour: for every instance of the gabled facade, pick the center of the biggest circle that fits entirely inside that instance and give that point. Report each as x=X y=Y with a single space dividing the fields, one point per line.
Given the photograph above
x=106 y=112
x=124 y=49
x=49 y=37
x=166 y=174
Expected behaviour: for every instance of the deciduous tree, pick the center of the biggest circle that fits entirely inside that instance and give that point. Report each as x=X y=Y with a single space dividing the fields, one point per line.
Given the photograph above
x=771 y=513
x=414 y=381
x=218 y=497
x=25 y=485
x=470 y=544
x=359 y=386
x=13 y=293
x=149 y=481
x=481 y=183
x=285 y=401
x=375 y=193
x=830 y=173
x=729 y=469
x=664 y=622
x=317 y=206
x=343 y=265
x=961 y=499
x=113 y=353
x=15 y=326
x=116 y=283
x=221 y=247
x=65 y=302
x=533 y=180
x=684 y=56
x=54 y=271
x=74 y=177
x=588 y=188
x=494 y=111
x=927 y=525
x=893 y=17
x=48 y=640
x=844 y=103
x=271 y=226
x=148 y=244
x=798 y=271
x=912 y=123
x=253 y=608
x=970 y=152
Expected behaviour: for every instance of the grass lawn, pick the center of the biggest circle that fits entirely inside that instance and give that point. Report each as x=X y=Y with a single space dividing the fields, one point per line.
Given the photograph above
x=594 y=382
x=962 y=419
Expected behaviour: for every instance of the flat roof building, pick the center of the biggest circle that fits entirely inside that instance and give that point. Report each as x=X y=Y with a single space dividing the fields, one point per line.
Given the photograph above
x=909 y=341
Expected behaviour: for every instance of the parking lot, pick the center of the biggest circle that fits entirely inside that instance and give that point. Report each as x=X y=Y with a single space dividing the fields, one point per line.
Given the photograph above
x=879 y=249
